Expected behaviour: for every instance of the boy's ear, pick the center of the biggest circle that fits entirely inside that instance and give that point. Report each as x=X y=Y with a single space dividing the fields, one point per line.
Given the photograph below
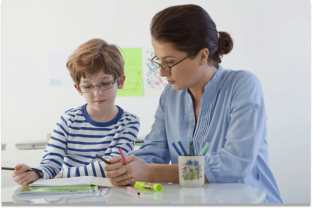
x=76 y=86
x=121 y=81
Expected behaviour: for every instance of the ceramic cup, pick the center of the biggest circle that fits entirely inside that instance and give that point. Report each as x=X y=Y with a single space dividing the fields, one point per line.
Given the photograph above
x=191 y=171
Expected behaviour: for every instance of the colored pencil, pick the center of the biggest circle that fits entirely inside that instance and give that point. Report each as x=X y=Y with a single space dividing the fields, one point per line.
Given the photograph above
x=6 y=168
x=103 y=160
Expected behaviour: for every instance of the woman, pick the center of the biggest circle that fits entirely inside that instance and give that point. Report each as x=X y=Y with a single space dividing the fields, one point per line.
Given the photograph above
x=202 y=103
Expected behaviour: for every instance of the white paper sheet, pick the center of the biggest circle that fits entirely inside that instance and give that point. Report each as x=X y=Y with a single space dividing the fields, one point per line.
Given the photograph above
x=152 y=82
x=74 y=181
x=58 y=73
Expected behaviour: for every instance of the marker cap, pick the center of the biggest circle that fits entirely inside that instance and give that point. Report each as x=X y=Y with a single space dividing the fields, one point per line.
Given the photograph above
x=157 y=187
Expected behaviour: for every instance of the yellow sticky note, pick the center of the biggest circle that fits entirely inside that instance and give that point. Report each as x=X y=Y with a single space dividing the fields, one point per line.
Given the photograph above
x=133 y=70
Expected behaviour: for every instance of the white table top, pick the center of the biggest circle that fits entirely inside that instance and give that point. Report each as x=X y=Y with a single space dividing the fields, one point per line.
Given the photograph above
x=215 y=193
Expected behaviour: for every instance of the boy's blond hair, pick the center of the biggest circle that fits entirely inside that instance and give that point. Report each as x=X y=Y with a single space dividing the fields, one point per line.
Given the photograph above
x=94 y=56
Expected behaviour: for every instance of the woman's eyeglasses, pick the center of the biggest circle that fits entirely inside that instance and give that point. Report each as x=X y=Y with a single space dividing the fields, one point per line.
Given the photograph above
x=167 y=68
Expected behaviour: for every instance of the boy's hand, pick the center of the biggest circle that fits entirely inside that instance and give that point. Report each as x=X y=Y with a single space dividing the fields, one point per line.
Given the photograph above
x=24 y=178
x=116 y=173
x=58 y=176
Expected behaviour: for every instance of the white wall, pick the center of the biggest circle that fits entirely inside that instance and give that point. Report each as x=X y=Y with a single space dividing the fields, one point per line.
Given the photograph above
x=271 y=39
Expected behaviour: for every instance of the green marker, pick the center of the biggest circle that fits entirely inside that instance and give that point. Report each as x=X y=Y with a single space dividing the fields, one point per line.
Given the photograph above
x=148 y=186
x=185 y=154
x=204 y=149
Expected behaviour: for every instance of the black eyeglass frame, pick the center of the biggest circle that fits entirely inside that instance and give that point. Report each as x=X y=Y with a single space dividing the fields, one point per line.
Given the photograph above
x=99 y=85
x=169 y=67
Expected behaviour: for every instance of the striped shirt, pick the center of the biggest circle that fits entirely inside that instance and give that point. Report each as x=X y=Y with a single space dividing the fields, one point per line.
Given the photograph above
x=77 y=139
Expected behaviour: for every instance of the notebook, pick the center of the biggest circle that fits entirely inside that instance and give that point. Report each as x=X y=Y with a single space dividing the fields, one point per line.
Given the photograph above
x=74 y=181
x=98 y=196
x=28 y=190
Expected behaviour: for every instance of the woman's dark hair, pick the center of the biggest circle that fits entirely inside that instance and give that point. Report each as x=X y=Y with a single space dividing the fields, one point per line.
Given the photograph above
x=190 y=29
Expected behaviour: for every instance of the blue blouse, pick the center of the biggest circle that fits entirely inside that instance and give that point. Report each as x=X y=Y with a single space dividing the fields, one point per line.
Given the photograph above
x=232 y=118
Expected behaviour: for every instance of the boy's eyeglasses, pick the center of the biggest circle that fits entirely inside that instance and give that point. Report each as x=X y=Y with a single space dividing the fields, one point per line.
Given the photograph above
x=167 y=68
x=102 y=86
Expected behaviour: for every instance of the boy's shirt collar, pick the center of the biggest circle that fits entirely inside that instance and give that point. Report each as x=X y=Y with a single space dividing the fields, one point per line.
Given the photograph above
x=101 y=124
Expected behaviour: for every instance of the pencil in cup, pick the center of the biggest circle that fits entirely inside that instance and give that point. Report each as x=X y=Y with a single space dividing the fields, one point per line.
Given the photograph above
x=185 y=154
x=191 y=149
x=176 y=148
x=204 y=149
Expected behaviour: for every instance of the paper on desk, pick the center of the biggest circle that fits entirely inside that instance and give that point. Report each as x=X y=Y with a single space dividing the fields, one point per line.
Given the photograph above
x=44 y=190
x=29 y=193
x=72 y=197
x=74 y=181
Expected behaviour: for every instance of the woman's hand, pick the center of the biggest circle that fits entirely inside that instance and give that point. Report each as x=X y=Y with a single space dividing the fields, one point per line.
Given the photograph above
x=121 y=175
x=138 y=170
x=58 y=176
x=116 y=172
x=22 y=177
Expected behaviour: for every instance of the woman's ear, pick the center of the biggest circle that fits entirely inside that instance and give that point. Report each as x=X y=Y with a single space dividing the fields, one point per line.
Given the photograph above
x=203 y=56
x=76 y=86
x=121 y=81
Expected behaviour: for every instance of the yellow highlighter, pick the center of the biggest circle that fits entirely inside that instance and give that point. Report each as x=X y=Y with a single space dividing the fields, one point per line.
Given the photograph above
x=148 y=186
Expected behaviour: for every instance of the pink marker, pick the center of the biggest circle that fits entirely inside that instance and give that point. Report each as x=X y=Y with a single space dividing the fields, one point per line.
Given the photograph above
x=133 y=190
x=122 y=155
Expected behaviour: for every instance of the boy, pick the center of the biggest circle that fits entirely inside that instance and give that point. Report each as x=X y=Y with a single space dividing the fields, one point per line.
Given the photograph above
x=96 y=128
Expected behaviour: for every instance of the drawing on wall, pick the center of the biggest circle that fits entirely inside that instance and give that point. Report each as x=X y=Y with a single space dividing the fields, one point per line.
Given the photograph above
x=153 y=83
x=58 y=73
x=133 y=70
x=141 y=74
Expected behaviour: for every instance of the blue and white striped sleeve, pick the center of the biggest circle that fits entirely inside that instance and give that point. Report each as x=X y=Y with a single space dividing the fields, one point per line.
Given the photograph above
x=54 y=152
x=95 y=168
x=126 y=138
x=125 y=141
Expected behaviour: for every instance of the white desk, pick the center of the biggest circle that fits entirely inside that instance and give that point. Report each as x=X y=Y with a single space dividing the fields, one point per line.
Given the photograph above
x=12 y=157
x=229 y=193
x=215 y=193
